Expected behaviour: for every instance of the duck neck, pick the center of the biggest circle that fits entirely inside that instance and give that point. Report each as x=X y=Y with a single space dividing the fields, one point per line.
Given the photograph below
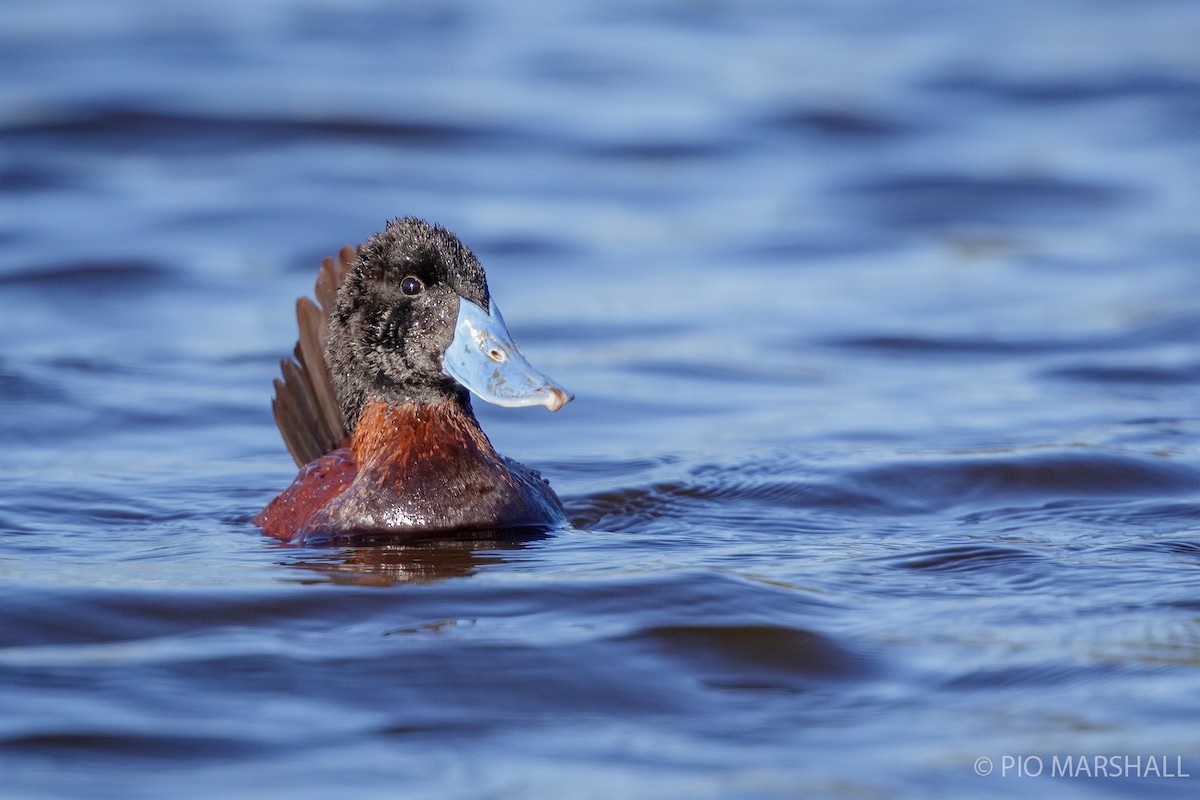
x=400 y=436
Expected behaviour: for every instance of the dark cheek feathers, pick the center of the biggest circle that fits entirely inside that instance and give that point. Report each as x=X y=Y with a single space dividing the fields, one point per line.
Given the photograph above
x=391 y=353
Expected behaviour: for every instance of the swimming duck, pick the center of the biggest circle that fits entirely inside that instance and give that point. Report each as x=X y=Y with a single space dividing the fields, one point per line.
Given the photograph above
x=375 y=407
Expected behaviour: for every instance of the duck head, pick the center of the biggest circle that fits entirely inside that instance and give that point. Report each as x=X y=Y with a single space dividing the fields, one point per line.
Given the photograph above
x=414 y=323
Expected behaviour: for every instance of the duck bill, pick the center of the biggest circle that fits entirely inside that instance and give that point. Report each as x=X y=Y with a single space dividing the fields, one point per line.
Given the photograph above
x=483 y=357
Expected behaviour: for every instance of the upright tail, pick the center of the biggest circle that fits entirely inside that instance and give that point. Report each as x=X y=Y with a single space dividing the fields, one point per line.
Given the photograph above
x=305 y=405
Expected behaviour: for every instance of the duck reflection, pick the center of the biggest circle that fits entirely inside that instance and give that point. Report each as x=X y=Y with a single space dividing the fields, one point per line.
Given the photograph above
x=373 y=560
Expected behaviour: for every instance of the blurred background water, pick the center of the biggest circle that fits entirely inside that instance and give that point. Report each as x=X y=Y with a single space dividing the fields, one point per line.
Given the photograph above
x=883 y=319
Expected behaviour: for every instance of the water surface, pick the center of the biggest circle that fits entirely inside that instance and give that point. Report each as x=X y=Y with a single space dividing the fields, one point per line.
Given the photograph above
x=883 y=320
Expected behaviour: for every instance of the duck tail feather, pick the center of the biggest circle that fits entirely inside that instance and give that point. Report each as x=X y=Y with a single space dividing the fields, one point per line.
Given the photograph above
x=305 y=407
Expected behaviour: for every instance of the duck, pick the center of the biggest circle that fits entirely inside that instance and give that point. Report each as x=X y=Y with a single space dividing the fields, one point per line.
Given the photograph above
x=374 y=405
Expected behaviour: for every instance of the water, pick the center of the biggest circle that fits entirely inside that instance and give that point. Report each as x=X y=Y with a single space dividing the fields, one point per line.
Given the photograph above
x=883 y=323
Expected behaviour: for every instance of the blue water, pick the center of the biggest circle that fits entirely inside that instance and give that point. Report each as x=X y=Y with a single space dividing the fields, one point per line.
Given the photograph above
x=884 y=324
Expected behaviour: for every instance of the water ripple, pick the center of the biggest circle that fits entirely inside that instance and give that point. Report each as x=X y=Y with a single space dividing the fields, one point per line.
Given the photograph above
x=1185 y=375
x=755 y=657
x=121 y=128
x=1060 y=89
x=965 y=558
x=917 y=201
x=800 y=493
x=132 y=275
x=982 y=480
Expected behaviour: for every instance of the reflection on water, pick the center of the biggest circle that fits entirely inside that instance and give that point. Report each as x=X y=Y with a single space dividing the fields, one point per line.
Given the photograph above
x=375 y=561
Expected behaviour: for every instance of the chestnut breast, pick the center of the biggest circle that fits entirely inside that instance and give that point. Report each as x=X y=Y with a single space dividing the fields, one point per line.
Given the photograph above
x=412 y=470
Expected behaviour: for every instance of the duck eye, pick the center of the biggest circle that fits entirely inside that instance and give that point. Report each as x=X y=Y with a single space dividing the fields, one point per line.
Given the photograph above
x=411 y=285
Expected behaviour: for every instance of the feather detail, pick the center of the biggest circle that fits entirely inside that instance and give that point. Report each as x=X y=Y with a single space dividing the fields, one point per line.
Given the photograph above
x=305 y=406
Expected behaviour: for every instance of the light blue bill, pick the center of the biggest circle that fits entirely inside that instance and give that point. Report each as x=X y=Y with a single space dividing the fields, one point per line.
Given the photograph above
x=484 y=358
